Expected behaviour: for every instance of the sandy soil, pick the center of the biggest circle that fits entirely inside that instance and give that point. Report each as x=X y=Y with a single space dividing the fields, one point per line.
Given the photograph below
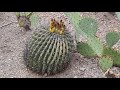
x=13 y=39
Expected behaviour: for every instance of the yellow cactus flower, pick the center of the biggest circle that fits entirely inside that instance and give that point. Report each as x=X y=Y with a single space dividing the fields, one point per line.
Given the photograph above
x=57 y=27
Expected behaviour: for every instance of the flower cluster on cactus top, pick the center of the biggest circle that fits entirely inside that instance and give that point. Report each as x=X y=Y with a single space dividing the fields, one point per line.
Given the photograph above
x=57 y=27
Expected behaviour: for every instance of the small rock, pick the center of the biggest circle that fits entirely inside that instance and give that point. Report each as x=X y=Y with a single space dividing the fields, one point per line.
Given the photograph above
x=82 y=69
x=45 y=75
x=75 y=77
x=93 y=68
x=9 y=59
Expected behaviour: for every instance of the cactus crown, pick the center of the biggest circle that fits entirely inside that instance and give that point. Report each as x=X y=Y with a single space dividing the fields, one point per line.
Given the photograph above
x=57 y=27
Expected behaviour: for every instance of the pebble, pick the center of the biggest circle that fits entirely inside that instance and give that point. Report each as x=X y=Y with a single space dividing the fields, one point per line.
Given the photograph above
x=82 y=69
x=75 y=77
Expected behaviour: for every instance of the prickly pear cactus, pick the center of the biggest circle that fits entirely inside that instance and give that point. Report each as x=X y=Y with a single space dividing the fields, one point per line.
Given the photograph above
x=118 y=15
x=85 y=50
x=87 y=27
x=105 y=63
x=112 y=38
x=115 y=55
x=49 y=51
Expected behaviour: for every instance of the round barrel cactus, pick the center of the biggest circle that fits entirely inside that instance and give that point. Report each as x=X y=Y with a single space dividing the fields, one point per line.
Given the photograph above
x=49 y=50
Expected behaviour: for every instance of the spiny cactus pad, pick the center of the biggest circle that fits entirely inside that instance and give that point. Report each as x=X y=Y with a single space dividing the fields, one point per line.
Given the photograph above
x=34 y=21
x=105 y=63
x=74 y=19
x=89 y=26
x=112 y=38
x=85 y=50
x=49 y=51
x=118 y=15
x=27 y=13
x=115 y=55
x=86 y=31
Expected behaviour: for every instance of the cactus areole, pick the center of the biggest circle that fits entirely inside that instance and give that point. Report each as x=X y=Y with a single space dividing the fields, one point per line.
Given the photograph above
x=49 y=51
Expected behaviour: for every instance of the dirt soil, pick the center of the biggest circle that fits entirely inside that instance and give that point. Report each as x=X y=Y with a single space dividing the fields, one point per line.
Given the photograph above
x=13 y=39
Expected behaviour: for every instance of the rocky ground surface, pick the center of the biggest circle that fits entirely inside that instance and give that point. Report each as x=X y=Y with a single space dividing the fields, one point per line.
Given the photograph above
x=13 y=39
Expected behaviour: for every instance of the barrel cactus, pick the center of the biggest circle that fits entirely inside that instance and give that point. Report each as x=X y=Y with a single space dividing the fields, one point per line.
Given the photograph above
x=49 y=50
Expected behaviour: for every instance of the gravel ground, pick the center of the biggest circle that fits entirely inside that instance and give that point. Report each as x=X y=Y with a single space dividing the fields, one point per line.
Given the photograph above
x=13 y=39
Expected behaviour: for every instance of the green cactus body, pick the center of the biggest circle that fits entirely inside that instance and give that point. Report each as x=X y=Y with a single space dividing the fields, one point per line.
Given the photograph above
x=87 y=27
x=48 y=52
x=112 y=38
x=115 y=55
x=85 y=50
x=105 y=63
